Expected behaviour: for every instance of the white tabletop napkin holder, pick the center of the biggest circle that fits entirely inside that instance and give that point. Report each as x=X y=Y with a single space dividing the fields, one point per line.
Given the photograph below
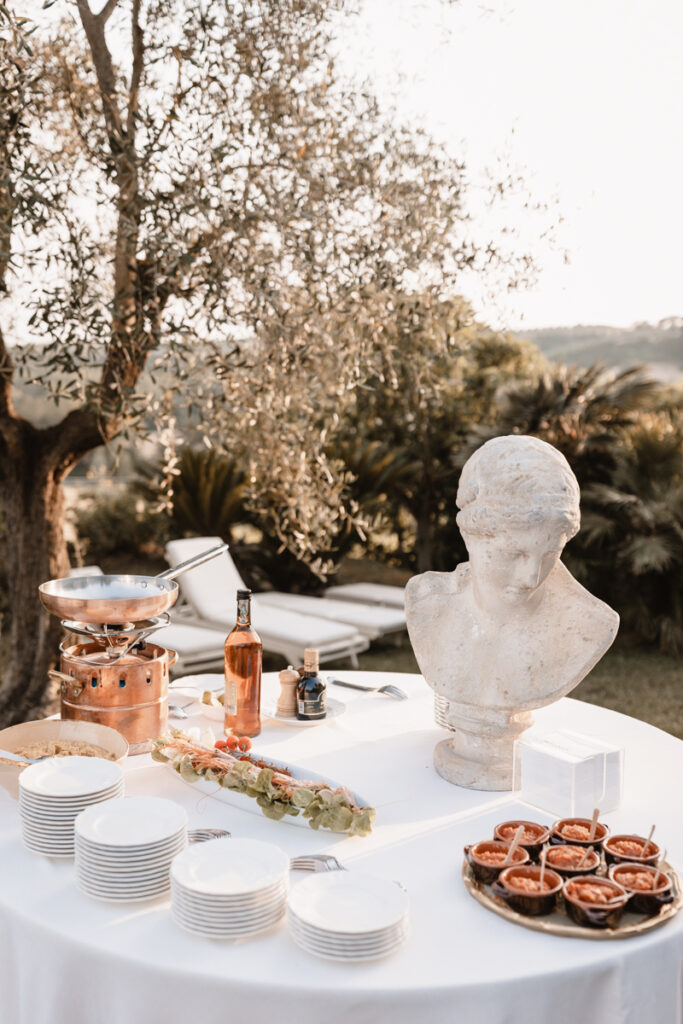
x=567 y=773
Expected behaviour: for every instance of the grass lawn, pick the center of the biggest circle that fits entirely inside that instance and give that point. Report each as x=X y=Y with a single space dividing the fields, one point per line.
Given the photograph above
x=637 y=682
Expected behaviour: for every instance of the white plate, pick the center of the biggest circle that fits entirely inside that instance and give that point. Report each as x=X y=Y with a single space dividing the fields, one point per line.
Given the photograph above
x=145 y=881
x=347 y=949
x=345 y=938
x=239 y=932
x=229 y=920
x=230 y=867
x=61 y=806
x=212 y=904
x=194 y=686
x=68 y=777
x=351 y=958
x=348 y=902
x=131 y=821
x=129 y=898
x=129 y=854
x=335 y=708
x=126 y=867
x=225 y=904
x=49 y=852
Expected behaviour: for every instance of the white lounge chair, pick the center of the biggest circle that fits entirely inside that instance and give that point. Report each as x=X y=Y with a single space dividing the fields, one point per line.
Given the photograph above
x=370 y=620
x=368 y=593
x=210 y=594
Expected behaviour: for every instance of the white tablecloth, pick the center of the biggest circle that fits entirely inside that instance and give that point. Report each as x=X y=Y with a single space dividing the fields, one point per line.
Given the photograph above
x=67 y=959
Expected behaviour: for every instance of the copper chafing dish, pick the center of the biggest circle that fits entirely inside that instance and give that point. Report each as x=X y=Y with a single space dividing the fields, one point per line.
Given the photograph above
x=109 y=673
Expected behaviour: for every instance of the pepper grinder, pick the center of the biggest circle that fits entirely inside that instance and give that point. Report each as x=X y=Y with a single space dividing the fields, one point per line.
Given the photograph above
x=286 y=704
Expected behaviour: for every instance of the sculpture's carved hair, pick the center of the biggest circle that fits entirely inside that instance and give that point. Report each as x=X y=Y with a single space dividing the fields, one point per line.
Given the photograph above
x=517 y=481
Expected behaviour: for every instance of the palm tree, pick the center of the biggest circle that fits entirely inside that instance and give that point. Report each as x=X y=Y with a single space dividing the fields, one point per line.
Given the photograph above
x=583 y=412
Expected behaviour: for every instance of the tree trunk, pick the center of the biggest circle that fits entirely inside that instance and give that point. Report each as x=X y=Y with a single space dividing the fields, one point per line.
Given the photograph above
x=35 y=551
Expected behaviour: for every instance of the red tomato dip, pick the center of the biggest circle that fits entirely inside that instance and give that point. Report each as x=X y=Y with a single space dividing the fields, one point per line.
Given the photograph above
x=627 y=847
x=591 y=892
x=525 y=884
x=492 y=857
x=576 y=832
x=638 y=880
x=567 y=856
x=529 y=835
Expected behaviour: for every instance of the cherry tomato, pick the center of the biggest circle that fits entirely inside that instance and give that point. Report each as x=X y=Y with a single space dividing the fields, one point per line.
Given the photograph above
x=244 y=743
x=231 y=742
x=221 y=744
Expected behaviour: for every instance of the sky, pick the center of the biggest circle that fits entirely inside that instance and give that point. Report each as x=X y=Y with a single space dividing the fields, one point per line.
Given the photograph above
x=584 y=98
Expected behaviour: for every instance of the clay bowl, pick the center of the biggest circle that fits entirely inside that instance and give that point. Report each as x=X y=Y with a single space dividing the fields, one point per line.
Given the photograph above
x=534 y=845
x=487 y=873
x=590 y=864
x=586 y=911
x=613 y=856
x=533 y=904
x=644 y=901
x=557 y=836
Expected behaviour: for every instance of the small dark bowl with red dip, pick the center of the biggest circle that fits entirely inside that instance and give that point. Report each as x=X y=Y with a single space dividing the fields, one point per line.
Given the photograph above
x=486 y=859
x=650 y=888
x=596 y=902
x=570 y=861
x=623 y=849
x=533 y=838
x=518 y=887
x=577 y=832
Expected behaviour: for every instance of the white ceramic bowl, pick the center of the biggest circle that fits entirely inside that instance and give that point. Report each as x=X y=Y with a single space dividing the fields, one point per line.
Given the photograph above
x=55 y=729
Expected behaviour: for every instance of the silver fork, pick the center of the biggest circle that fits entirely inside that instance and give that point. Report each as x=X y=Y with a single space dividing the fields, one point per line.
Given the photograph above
x=316 y=862
x=389 y=689
x=203 y=835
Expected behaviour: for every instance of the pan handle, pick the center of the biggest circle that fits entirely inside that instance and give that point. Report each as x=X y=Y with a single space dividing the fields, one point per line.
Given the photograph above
x=192 y=563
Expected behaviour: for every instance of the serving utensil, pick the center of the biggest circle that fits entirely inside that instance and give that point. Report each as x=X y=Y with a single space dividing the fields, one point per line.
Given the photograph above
x=647 y=842
x=20 y=758
x=390 y=690
x=594 y=824
x=316 y=862
x=513 y=845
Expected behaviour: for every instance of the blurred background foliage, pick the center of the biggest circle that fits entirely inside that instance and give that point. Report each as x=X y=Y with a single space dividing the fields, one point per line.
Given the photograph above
x=443 y=386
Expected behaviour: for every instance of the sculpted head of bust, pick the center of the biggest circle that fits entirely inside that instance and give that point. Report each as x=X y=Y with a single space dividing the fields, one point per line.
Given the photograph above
x=519 y=505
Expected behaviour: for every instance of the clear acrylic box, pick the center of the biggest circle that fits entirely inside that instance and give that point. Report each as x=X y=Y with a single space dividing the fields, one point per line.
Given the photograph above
x=567 y=773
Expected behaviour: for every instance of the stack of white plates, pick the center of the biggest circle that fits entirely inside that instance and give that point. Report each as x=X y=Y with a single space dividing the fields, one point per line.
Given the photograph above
x=346 y=915
x=54 y=791
x=124 y=848
x=229 y=888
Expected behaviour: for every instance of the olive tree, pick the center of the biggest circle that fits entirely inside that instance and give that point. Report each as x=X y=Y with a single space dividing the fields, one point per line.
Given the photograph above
x=192 y=207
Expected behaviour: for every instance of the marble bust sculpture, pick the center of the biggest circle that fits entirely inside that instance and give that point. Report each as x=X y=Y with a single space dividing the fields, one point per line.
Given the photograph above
x=511 y=629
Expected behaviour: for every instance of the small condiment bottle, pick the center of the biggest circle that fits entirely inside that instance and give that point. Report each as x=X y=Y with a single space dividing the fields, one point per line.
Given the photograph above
x=286 y=703
x=311 y=693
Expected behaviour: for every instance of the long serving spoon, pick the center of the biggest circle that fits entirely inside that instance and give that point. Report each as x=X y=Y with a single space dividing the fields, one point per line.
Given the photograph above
x=513 y=845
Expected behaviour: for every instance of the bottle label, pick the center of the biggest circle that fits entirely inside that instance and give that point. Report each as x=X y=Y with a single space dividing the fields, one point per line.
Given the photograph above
x=312 y=708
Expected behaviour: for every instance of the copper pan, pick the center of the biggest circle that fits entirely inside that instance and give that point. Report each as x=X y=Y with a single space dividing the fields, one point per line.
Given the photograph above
x=116 y=599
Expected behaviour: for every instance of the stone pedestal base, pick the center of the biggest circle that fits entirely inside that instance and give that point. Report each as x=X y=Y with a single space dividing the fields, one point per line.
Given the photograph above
x=479 y=754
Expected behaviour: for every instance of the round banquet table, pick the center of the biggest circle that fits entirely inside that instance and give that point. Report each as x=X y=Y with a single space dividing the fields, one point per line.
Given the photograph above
x=67 y=959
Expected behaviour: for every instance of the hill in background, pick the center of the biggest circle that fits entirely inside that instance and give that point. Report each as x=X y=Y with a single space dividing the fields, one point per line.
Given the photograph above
x=660 y=346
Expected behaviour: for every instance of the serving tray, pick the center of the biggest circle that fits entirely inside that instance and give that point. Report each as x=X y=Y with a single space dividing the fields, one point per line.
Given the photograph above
x=558 y=923
x=247 y=803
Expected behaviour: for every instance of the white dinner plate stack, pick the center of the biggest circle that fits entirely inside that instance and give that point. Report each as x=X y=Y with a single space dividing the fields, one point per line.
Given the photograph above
x=54 y=791
x=229 y=888
x=348 y=916
x=124 y=848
